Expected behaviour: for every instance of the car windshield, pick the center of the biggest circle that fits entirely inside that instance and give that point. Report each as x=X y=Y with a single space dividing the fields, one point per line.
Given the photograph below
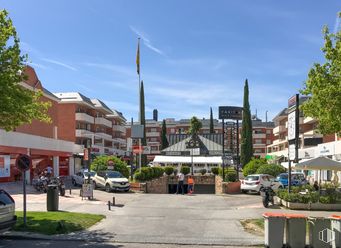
x=114 y=174
x=252 y=178
x=283 y=176
x=92 y=173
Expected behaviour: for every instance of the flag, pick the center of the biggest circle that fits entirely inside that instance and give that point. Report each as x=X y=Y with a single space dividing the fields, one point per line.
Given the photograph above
x=138 y=57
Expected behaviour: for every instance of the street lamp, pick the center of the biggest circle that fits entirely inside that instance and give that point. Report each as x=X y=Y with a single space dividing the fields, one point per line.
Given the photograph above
x=193 y=143
x=225 y=160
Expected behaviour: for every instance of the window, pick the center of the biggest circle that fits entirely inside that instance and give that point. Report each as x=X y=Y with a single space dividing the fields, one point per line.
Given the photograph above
x=153 y=129
x=258 y=141
x=5 y=198
x=268 y=131
x=268 y=142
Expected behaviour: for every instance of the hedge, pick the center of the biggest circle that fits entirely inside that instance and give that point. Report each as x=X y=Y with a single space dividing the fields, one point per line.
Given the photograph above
x=271 y=169
x=203 y=171
x=215 y=170
x=169 y=170
x=101 y=164
x=148 y=173
x=185 y=170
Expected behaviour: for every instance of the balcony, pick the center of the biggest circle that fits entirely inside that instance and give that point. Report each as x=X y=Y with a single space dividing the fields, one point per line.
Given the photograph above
x=103 y=121
x=278 y=129
x=257 y=145
x=85 y=118
x=259 y=135
x=153 y=134
x=312 y=134
x=83 y=133
x=119 y=128
x=279 y=141
x=120 y=140
x=308 y=120
x=104 y=136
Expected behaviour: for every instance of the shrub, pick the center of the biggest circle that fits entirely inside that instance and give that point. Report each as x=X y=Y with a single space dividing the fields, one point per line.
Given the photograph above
x=148 y=173
x=203 y=171
x=215 y=170
x=271 y=169
x=101 y=164
x=139 y=176
x=252 y=166
x=169 y=170
x=185 y=170
x=231 y=175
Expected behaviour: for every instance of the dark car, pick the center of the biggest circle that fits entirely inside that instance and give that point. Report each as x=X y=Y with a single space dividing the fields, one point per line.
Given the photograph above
x=7 y=211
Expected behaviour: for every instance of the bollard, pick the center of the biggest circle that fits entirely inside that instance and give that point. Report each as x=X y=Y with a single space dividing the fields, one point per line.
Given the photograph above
x=113 y=200
x=109 y=205
x=70 y=190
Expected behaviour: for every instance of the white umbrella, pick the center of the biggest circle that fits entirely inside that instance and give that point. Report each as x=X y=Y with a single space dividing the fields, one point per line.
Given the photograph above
x=320 y=163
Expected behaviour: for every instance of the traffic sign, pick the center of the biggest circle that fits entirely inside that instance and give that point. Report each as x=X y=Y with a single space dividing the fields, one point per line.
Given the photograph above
x=23 y=162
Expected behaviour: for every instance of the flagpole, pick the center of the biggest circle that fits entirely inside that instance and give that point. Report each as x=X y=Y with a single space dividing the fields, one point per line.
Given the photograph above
x=140 y=112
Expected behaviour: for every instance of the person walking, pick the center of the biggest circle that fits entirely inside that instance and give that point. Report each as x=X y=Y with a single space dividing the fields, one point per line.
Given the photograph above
x=190 y=187
x=181 y=178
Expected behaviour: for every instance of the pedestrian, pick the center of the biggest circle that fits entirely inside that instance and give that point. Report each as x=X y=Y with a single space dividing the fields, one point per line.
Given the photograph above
x=190 y=187
x=49 y=171
x=181 y=178
x=316 y=186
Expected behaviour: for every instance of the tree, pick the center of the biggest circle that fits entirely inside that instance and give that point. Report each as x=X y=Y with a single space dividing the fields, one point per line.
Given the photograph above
x=323 y=86
x=246 y=135
x=164 y=141
x=101 y=164
x=252 y=166
x=143 y=122
x=211 y=122
x=195 y=126
x=17 y=105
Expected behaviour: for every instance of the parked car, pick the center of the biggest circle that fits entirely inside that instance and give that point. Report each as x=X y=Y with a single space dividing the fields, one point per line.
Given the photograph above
x=111 y=180
x=80 y=177
x=7 y=214
x=256 y=182
x=297 y=179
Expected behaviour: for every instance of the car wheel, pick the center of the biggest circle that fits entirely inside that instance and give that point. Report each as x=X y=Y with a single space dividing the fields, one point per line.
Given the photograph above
x=107 y=188
x=127 y=190
x=244 y=191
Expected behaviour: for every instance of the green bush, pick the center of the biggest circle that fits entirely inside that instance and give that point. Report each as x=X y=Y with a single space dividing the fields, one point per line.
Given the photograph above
x=139 y=176
x=101 y=164
x=253 y=165
x=148 y=173
x=215 y=170
x=169 y=170
x=203 y=171
x=231 y=175
x=185 y=170
x=271 y=169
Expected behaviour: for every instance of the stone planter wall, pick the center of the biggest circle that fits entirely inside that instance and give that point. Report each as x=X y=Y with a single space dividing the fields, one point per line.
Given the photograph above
x=226 y=187
x=157 y=186
x=309 y=206
x=233 y=187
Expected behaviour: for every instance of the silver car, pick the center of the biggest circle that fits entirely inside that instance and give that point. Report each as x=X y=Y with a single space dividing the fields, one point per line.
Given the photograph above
x=7 y=211
x=80 y=177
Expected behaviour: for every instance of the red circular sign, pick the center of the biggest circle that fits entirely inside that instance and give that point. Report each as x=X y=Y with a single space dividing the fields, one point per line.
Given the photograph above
x=23 y=162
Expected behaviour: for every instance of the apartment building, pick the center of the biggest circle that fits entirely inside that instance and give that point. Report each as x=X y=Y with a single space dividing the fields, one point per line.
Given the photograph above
x=177 y=130
x=44 y=142
x=89 y=122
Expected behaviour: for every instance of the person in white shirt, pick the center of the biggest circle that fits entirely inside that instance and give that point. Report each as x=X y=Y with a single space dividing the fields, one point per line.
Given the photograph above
x=181 y=178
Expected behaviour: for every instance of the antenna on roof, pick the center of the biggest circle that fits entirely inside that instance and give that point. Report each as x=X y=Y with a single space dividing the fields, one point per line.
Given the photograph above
x=266 y=116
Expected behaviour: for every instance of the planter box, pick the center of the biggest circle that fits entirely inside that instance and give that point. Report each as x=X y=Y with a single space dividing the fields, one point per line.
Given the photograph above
x=310 y=206
x=232 y=187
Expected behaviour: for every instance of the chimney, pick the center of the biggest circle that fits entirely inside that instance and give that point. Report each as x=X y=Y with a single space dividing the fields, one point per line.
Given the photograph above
x=155 y=113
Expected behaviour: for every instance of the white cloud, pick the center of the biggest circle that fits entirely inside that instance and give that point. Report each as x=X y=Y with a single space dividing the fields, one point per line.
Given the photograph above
x=124 y=70
x=35 y=65
x=146 y=40
x=59 y=63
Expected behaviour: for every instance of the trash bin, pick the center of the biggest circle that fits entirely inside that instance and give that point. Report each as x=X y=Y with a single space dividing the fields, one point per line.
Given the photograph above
x=273 y=229
x=295 y=230
x=319 y=232
x=335 y=231
x=52 y=197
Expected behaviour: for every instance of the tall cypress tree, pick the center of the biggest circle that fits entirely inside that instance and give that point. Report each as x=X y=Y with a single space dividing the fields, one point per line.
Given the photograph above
x=246 y=136
x=211 y=122
x=143 y=122
x=164 y=141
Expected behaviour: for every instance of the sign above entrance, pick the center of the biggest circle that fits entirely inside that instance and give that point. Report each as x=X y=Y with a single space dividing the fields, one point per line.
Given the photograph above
x=23 y=162
x=230 y=112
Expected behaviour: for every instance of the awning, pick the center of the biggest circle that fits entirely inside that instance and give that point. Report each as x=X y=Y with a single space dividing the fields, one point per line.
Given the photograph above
x=320 y=163
x=187 y=159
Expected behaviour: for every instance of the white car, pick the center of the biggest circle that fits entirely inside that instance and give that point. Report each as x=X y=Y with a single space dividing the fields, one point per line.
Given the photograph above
x=253 y=183
x=111 y=180
x=7 y=211
x=80 y=177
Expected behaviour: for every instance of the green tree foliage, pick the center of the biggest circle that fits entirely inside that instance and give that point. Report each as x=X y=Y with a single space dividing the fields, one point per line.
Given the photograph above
x=271 y=169
x=185 y=170
x=17 y=105
x=164 y=141
x=253 y=165
x=195 y=125
x=211 y=122
x=230 y=174
x=324 y=86
x=101 y=164
x=169 y=170
x=148 y=173
x=215 y=170
x=143 y=122
x=203 y=171
x=246 y=135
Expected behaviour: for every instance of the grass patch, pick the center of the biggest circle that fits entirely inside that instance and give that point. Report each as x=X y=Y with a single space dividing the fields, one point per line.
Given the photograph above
x=56 y=222
x=255 y=226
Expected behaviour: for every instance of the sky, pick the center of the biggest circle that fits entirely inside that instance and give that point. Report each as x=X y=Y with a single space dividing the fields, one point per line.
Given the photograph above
x=194 y=54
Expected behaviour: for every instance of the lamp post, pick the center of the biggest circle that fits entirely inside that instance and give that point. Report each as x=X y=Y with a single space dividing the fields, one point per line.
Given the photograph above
x=194 y=142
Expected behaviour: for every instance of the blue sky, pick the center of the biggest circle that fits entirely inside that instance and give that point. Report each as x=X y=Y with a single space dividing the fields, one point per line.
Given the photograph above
x=194 y=54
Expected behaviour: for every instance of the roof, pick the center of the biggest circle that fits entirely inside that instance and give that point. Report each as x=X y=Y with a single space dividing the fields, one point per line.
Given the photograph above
x=45 y=91
x=320 y=163
x=207 y=147
x=175 y=138
x=187 y=159
x=73 y=97
x=115 y=113
x=101 y=105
